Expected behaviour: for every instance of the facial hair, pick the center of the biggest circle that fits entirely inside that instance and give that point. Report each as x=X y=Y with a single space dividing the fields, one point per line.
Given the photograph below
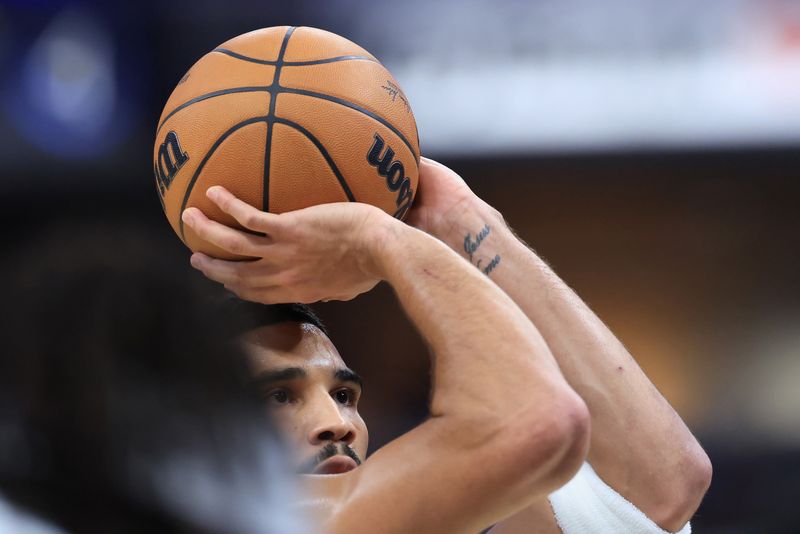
x=328 y=451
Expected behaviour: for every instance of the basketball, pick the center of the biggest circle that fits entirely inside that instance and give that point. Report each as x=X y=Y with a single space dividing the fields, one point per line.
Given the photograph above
x=285 y=118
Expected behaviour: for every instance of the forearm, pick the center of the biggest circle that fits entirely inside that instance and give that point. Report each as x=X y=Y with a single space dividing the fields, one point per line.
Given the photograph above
x=505 y=427
x=483 y=345
x=638 y=441
x=496 y=386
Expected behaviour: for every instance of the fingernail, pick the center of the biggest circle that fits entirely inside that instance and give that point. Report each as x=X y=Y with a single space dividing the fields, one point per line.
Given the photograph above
x=195 y=261
x=212 y=193
x=186 y=216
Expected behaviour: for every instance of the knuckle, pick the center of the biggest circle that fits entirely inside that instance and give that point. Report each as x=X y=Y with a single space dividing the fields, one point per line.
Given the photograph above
x=233 y=244
x=297 y=232
x=199 y=227
x=253 y=220
x=282 y=226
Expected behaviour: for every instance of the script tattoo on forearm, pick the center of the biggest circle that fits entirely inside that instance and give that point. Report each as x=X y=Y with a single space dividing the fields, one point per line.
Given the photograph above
x=489 y=266
x=471 y=245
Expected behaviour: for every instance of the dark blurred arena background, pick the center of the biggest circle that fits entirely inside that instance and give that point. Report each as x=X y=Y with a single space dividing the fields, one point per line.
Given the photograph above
x=648 y=150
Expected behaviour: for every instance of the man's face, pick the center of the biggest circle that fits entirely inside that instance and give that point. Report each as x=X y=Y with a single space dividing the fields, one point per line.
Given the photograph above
x=311 y=395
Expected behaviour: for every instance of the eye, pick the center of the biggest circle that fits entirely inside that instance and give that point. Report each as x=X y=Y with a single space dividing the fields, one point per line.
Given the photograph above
x=345 y=397
x=278 y=396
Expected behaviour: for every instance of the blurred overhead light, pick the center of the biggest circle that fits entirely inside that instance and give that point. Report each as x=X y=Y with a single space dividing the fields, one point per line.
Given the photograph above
x=65 y=99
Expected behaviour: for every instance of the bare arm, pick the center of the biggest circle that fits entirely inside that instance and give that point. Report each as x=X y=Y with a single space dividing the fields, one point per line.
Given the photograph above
x=468 y=456
x=505 y=429
x=639 y=445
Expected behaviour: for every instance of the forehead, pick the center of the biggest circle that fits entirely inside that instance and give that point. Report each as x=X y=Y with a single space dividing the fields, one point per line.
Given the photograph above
x=290 y=344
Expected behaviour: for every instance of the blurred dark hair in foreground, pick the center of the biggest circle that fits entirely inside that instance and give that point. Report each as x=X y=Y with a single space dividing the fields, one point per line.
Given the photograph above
x=121 y=399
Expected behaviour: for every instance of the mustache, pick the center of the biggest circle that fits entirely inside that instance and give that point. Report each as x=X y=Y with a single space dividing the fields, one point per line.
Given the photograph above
x=328 y=451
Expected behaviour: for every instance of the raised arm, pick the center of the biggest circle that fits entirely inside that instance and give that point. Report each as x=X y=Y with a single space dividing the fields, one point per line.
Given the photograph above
x=505 y=427
x=639 y=445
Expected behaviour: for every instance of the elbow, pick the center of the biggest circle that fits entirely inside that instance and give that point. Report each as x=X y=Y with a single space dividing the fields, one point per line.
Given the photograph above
x=699 y=477
x=572 y=428
x=555 y=442
x=688 y=491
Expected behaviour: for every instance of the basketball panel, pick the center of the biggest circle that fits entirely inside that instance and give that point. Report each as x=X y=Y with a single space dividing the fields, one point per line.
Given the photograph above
x=299 y=174
x=217 y=72
x=196 y=132
x=349 y=137
x=263 y=44
x=313 y=44
x=364 y=83
x=238 y=165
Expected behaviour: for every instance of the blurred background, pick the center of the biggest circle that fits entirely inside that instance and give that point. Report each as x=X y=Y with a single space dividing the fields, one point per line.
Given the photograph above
x=650 y=151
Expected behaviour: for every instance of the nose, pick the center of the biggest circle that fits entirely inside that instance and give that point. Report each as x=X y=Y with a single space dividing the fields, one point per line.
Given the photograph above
x=330 y=425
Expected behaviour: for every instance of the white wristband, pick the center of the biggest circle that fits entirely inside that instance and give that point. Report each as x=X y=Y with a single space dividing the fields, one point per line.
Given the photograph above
x=587 y=504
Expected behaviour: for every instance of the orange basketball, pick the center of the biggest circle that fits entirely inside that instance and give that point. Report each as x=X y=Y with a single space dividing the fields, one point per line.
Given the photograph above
x=285 y=118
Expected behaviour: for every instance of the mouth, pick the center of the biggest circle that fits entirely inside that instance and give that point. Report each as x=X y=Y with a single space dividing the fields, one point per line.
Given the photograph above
x=335 y=465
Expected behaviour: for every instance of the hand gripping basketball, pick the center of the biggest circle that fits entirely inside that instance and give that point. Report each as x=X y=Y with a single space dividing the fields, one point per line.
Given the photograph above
x=323 y=252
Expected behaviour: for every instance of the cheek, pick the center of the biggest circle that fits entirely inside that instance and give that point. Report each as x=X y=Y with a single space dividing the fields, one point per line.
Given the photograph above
x=361 y=443
x=289 y=427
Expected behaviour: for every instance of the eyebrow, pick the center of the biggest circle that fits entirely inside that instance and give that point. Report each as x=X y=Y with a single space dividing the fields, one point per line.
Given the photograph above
x=288 y=374
x=348 y=375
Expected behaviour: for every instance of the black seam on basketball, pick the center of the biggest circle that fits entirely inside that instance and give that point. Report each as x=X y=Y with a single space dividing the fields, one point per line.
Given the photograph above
x=355 y=107
x=205 y=159
x=221 y=92
x=336 y=59
x=267 y=163
x=236 y=55
x=329 y=60
x=276 y=78
x=324 y=152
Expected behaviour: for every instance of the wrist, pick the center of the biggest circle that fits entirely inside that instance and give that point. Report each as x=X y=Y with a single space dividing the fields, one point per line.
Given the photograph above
x=382 y=235
x=471 y=228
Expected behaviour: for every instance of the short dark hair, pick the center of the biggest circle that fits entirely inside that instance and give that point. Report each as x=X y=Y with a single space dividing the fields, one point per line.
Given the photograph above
x=251 y=315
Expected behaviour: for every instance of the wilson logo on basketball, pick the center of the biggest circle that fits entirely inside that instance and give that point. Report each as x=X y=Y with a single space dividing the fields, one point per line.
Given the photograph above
x=169 y=161
x=395 y=174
